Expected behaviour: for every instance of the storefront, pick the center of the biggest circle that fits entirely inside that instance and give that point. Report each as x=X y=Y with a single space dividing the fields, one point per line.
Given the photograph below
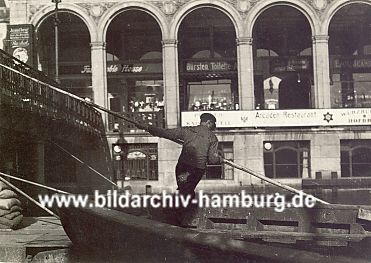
x=284 y=80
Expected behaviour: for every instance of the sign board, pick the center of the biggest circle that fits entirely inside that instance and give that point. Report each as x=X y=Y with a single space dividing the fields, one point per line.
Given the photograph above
x=121 y=68
x=210 y=66
x=284 y=118
x=290 y=64
x=21 y=42
x=355 y=64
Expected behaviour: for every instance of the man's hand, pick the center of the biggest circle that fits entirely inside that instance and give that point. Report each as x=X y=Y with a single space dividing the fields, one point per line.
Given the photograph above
x=141 y=126
x=221 y=159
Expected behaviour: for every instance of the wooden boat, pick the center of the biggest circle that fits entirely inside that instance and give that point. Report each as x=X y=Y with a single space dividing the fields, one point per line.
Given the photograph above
x=222 y=235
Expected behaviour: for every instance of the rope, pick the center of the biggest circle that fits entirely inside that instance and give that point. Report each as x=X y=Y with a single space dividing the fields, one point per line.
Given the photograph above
x=28 y=197
x=34 y=183
x=89 y=167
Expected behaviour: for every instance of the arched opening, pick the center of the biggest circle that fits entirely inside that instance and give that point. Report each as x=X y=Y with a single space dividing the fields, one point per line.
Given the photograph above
x=283 y=71
x=74 y=52
x=207 y=61
x=350 y=50
x=134 y=68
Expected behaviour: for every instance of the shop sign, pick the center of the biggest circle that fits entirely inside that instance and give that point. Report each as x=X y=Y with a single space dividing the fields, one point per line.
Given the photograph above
x=20 y=42
x=291 y=64
x=355 y=63
x=284 y=118
x=206 y=66
x=128 y=68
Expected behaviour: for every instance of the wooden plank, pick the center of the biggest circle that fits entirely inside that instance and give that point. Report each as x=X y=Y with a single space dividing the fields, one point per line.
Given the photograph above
x=36 y=232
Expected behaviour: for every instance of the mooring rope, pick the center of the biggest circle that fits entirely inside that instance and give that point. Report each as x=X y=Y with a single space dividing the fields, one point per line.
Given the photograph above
x=90 y=168
x=34 y=183
x=28 y=197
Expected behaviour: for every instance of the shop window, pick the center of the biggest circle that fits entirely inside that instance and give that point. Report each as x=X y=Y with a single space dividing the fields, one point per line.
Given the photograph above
x=134 y=70
x=140 y=161
x=210 y=95
x=221 y=171
x=349 y=49
x=138 y=99
x=286 y=159
x=355 y=158
x=207 y=62
x=283 y=71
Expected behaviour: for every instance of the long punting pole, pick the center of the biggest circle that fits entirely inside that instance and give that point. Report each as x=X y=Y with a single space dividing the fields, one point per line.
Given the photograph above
x=134 y=122
x=264 y=178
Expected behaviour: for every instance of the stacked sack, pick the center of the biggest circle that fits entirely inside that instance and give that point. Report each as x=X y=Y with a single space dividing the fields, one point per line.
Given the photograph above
x=10 y=208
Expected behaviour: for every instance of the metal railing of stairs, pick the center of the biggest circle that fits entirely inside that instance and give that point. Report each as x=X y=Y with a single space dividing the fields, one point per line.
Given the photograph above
x=25 y=88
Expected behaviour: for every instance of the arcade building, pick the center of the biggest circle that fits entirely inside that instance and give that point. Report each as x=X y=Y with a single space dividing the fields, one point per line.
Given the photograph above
x=288 y=81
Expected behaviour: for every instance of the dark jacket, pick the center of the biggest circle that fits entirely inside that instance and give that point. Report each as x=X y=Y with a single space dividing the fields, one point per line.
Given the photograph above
x=199 y=144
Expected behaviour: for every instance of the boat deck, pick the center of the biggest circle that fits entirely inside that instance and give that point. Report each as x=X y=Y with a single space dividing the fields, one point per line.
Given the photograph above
x=37 y=238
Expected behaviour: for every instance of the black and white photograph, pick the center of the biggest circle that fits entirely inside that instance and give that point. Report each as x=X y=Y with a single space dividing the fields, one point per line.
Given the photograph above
x=185 y=131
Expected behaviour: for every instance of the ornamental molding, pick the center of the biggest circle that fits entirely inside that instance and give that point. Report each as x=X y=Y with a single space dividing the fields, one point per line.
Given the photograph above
x=244 y=41
x=33 y=9
x=96 y=10
x=319 y=5
x=169 y=7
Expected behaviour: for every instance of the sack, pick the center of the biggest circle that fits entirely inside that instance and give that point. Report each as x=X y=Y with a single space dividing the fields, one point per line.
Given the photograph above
x=7 y=193
x=3 y=186
x=4 y=212
x=16 y=208
x=12 y=215
x=8 y=203
x=6 y=223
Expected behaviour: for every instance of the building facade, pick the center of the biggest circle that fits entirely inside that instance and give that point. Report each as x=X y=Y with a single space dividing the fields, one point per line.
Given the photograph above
x=289 y=81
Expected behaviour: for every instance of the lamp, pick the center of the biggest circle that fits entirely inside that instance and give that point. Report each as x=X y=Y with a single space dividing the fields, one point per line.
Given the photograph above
x=56 y=2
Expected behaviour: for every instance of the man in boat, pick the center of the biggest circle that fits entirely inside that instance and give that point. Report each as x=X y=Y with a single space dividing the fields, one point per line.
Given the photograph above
x=200 y=147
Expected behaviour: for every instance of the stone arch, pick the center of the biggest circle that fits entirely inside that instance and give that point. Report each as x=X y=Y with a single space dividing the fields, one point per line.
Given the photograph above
x=217 y=4
x=152 y=10
x=334 y=8
x=80 y=12
x=301 y=6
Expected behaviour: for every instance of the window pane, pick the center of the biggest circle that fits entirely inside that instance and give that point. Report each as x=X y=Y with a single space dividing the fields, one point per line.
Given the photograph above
x=361 y=170
x=286 y=156
x=221 y=171
x=268 y=170
x=140 y=161
x=361 y=155
x=345 y=170
x=286 y=171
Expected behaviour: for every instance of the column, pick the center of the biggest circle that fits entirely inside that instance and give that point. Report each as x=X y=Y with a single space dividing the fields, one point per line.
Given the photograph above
x=171 y=82
x=99 y=75
x=321 y=72
x=245 y=73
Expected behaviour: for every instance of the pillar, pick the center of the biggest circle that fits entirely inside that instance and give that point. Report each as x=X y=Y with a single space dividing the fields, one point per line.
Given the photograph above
x=171 y=82
x=245 y=73
x=99 y=75
x=321 y=72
